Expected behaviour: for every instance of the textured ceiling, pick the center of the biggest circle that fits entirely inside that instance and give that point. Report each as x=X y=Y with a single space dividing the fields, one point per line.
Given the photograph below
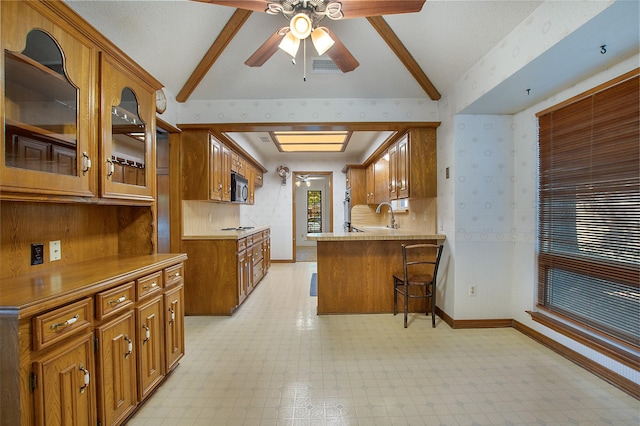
x=168 y=38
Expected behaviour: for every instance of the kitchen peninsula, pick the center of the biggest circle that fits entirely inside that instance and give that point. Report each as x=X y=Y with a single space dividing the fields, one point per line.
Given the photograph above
x=355 y=268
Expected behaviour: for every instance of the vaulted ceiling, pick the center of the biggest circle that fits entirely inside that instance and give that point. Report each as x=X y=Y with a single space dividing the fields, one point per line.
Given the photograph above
x=403 y=56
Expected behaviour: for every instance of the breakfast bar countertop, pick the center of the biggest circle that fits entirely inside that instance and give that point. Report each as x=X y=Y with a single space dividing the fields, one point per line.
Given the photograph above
x=374 y=233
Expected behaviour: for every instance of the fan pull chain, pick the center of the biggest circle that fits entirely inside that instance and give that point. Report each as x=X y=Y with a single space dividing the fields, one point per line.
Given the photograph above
x=304 y=61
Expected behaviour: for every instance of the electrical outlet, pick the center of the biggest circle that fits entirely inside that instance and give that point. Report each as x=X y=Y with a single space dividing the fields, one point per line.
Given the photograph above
x=37 y=253
x=472 y=290
x=54 y=250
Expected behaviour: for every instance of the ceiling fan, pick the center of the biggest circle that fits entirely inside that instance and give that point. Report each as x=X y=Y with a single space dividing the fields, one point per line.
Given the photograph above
x=304 y=17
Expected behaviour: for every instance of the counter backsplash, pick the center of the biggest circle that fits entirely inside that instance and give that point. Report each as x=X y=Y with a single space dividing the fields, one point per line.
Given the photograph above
x=204 y=218
x=420 y=217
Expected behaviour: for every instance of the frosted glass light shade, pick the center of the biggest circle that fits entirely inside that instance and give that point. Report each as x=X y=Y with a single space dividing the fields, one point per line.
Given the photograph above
x=300 y=26
x=290 y=44
x=322 y=41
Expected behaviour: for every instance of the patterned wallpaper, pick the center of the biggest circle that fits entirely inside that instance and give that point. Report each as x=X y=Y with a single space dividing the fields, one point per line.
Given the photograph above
x=309 y=110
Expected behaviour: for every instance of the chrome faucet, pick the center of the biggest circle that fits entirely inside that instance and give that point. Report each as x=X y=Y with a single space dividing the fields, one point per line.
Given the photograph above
x=393 y=225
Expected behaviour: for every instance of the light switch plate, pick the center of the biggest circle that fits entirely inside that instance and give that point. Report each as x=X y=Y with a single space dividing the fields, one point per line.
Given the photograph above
x=54 y=250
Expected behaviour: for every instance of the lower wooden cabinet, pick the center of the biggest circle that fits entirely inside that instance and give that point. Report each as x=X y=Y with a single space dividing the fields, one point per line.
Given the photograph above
x=243 y=274
x=92 y=354
x=150 y=345
x=174 y=326
x=64 y=390
x=116 y=367
x=219 y=287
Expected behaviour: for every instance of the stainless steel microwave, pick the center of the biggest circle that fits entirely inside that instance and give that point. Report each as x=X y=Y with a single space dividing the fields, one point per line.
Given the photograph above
x=239 y=189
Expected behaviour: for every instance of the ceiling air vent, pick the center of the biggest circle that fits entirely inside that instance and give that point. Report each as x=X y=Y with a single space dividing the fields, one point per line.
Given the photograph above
x=324 y=66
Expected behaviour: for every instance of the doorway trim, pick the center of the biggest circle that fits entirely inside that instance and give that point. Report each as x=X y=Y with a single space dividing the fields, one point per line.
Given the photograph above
x=294 y=178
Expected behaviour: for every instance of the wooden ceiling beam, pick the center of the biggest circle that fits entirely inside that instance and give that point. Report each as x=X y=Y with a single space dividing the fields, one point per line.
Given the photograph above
x=390 y=37
x=224 y=38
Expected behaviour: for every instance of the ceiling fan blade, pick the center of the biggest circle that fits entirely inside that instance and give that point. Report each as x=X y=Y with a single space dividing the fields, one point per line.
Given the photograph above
x=340 y=55
x=363 y=8
x=267 y=49
x=254 y=5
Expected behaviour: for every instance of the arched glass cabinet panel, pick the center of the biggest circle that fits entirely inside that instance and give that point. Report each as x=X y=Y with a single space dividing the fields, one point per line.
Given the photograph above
x=128 y=132
x=41 y=103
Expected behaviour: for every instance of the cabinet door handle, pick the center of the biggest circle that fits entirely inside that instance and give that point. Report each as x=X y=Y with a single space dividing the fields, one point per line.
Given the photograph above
x=153 y=285
x=129 y=346
x=147 y=333
x=86 y=163
x=118 y=301
x=87 y=378
x=65 y=323
x=111 y=168
x=177 y=274
x=172 y=313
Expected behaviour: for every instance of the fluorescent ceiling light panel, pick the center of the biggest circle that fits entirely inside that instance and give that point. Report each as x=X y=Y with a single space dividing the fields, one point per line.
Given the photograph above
x=319 y=141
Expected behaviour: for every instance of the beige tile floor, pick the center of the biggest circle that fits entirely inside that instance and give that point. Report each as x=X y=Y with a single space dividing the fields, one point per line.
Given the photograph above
x=275 y=362
x=306 y=254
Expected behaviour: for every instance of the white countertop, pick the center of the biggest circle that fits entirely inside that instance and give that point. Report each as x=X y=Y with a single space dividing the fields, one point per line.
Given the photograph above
x=226 y=235
x=373 y=233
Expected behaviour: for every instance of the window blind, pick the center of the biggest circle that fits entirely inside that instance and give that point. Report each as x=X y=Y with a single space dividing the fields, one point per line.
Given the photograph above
x=589 y=210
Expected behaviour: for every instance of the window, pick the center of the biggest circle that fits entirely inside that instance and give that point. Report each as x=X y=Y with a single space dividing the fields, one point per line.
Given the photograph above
x=589 y=210
x=314 y=211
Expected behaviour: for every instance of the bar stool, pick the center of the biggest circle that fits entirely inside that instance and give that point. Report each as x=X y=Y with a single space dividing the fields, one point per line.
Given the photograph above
x=420 y=269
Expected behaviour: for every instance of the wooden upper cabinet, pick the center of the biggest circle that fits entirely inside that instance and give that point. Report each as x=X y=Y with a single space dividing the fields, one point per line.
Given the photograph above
x=214 y=169
x=402 y=168
x=48 y=92
x=370 y=183
x=381 y=192
x=225 y=172
x=419 y=164
x=357 y=184
x=413 y=165
x=393 y=171
x=128 y=133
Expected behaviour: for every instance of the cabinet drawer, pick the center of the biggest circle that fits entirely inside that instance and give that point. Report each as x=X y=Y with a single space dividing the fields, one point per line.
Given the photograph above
x=242 y=244
x=60 y=323
x=149 y=284
x=257 y=252
x=173 y=275
x=115 y=300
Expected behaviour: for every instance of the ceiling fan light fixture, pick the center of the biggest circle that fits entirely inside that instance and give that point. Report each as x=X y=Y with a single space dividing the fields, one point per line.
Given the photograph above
x=290 y=44
x=322 y=41
x=300 y=25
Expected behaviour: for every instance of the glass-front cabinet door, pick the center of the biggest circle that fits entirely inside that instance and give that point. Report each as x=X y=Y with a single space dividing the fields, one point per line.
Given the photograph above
x=128 y=132
x=48 y=147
